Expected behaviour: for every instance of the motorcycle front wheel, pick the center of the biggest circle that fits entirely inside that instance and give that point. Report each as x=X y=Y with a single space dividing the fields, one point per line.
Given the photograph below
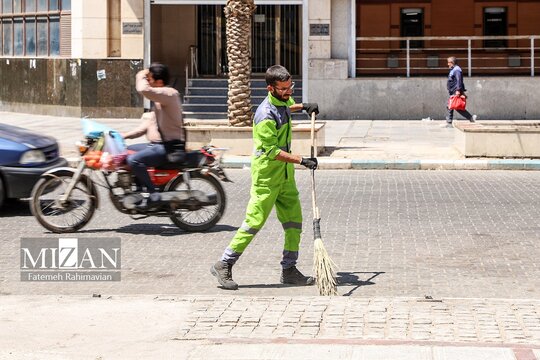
x=205 y=217
x=63 y=217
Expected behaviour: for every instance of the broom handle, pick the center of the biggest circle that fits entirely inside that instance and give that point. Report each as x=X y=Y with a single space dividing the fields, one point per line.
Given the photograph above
x=313 y=134
x=316 y=214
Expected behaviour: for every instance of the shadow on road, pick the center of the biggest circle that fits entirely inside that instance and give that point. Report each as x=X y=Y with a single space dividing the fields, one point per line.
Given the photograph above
x=343 y=279
x=13 y=207
x=329 y=150
x=352 y=279
x=152 y=229
x=264 y=286
x=167 y=230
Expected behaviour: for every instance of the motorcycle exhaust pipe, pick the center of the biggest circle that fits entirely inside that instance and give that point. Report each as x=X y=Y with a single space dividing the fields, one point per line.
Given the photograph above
x=187 y=198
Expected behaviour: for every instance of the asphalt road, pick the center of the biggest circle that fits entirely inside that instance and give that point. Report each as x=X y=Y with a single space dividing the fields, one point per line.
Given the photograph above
x=471 y=234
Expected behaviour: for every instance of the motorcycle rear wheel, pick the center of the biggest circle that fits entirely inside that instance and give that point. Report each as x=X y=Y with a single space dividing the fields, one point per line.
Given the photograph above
x=207 y=216
x=67 y=217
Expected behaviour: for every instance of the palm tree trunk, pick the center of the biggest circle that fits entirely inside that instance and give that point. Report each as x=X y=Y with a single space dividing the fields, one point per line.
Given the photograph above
x=238 y=14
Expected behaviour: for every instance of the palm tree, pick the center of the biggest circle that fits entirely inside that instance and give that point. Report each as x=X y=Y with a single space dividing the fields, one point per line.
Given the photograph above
x=238 y=14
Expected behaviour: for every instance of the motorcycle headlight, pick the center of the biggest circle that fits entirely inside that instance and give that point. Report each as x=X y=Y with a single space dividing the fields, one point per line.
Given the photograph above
x=32 y=157
x=82 y=147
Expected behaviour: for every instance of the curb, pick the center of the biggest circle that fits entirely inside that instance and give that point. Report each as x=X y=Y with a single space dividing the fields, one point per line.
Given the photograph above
x=431 y=164
x=326 y=163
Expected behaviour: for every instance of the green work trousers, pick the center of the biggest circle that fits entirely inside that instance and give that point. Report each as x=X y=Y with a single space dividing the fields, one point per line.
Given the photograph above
x=289 y=212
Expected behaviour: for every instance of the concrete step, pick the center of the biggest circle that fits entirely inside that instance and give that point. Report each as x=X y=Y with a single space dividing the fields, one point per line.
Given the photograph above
x=202 y=99
x=210 y=108
x=209 y=104
x=207 y=98
x=205 y=91
x=204 y=115
x=223 y=82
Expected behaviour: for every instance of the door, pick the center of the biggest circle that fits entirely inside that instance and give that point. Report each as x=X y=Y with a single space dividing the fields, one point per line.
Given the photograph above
x=276 y=39
x=290 y=39
x=209 y=39
x=264 y=38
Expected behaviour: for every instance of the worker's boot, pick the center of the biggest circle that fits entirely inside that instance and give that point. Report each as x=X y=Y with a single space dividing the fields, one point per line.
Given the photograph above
x=293 y=276
x=223 y=272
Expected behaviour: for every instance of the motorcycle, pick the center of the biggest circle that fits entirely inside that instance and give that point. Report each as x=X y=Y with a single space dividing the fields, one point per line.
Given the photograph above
x=65 y=199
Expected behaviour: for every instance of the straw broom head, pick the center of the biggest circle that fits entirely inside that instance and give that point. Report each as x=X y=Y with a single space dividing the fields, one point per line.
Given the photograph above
x=323 y=268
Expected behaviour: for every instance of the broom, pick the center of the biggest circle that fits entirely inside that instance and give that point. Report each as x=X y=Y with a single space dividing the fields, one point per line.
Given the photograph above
x=323 y=266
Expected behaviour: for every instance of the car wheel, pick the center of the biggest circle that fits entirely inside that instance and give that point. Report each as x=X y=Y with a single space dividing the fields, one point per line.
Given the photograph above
x=2 y=193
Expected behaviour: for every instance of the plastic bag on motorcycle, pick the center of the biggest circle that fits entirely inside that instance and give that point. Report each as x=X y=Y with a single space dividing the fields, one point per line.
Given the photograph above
x=114 y=152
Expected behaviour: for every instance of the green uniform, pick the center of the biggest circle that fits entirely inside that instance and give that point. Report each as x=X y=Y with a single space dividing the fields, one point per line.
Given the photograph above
x=272 y=184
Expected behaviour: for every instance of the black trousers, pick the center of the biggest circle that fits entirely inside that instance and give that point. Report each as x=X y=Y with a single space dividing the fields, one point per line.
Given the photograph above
x=450 y=114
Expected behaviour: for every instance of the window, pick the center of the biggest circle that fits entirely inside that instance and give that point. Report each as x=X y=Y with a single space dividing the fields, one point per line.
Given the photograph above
x=30 y=37
x=7 y=6
x=66 y=5
x=18 y=38
x=17 y=6
x=54 y=36
x=30 y=6
x=412 y=24
x=42 y=5
x=495 y=24
x=32 y=28
x=42 y=37
x=7 y=27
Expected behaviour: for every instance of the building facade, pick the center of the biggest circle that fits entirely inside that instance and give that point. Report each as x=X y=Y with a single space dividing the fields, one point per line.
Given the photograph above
x=445 y=21
x=356 y=58
x=71 y=57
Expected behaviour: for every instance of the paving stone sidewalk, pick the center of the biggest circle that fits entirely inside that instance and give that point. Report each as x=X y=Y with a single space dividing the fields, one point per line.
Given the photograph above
x=466 y=321
x=267 y=328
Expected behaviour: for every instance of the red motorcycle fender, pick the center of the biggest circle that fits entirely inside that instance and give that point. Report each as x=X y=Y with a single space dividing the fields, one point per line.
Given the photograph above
x=61 y=171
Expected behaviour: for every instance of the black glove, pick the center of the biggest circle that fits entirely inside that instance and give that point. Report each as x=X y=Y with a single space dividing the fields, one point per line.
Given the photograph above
x=310 y=163
x=311 y=108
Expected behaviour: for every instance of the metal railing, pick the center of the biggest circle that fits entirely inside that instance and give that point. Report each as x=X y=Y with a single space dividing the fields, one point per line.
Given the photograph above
x=426 y=55
x=191 y=64
x=193 y=54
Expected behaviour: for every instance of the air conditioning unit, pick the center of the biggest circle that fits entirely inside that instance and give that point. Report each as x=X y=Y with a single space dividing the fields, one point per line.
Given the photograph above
x=514 y=60
x=392 y=61
x=432 y=61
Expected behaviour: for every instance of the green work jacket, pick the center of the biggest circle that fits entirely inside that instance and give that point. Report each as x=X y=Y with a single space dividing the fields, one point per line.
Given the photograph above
x=272 y=132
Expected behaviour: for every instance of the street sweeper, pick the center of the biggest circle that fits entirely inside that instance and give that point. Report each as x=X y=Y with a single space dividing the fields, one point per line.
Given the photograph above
x=272 y=181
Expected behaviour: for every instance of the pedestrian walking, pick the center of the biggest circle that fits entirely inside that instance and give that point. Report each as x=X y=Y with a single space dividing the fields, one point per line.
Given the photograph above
x=272 y=181
x=456 y=86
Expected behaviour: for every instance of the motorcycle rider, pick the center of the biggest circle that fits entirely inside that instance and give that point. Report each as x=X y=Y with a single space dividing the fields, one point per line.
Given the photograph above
x=163 y=124
x=273 y=182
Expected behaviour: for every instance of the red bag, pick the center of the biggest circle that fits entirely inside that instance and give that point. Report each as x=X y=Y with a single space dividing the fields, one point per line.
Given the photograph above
x=457 y=102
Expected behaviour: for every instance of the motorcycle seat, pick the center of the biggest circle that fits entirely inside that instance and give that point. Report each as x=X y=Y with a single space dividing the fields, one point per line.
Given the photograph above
x=193 y=159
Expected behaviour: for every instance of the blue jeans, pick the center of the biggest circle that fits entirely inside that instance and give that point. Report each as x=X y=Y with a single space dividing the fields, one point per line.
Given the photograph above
x=152 y=155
